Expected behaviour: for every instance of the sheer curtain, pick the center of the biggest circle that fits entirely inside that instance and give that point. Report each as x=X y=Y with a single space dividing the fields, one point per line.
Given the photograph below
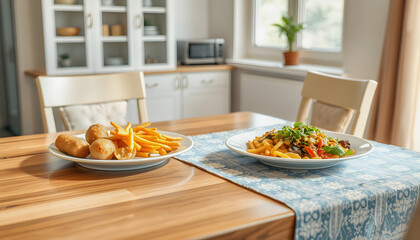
x=396 y=111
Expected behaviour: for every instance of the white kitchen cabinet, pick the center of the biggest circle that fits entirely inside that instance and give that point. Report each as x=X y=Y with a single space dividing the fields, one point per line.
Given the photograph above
x=185 y=95
x=206 y=94
x=93 y=51
x=163 y=97
x=274 y=96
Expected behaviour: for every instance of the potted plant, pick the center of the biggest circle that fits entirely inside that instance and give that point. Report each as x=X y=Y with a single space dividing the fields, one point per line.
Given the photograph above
x=64 y=60
x=289 y=28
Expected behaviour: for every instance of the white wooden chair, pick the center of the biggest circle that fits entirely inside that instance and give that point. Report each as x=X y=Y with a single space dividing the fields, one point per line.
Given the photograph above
x=68 y=91
x=339 y=96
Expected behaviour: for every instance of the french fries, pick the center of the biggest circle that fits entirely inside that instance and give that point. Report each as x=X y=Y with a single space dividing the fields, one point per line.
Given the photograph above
x=141 y=141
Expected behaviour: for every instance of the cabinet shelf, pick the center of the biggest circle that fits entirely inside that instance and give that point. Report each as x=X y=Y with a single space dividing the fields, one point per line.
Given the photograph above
x=120 y=9
x=68 y=8
x=115 y=39
x=154 y=10
x=72 y=39
x=154 y=38
x=72 y=69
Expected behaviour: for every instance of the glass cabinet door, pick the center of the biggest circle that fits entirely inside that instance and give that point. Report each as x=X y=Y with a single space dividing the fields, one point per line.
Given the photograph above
x=99 y=36
x=114 y=37
x=155 y=42
x=67 y=37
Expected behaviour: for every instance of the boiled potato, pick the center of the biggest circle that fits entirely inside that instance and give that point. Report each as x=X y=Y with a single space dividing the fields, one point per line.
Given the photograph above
x=102 y=149
x=94 y=132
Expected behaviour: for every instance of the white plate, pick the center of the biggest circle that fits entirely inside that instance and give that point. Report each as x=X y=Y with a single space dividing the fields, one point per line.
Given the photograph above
x=361 y=147
x=117 y=165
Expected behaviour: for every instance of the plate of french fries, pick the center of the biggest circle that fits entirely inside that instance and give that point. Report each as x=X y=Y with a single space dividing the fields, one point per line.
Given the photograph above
x=122 y=148
x=272 y=155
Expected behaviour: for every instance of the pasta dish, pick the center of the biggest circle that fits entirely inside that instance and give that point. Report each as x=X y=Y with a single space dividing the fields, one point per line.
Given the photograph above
x=301 y=142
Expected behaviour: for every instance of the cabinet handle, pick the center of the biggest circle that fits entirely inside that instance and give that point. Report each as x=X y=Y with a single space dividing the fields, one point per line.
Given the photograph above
x=208 y=82
x=90 y=20
x=152 y=85
x=139 y=20
x=184 y=81
x=177 y=85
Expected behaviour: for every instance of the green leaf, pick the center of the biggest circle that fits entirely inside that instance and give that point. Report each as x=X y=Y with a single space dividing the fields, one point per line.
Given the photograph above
x=348 y=152
x=299 y=124
x=336 y=150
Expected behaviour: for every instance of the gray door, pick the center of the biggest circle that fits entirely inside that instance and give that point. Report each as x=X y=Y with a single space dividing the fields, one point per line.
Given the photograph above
x=9 y=98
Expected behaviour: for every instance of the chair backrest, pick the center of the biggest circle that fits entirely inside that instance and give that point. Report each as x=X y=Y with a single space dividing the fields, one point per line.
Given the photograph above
x=351 y=94
x=59 y=91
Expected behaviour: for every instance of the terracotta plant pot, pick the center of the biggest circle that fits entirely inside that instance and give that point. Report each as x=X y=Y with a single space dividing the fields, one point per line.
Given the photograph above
x=291 y=58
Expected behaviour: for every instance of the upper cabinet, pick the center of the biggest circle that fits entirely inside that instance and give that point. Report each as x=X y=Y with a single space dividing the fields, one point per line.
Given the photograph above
x=99 y=36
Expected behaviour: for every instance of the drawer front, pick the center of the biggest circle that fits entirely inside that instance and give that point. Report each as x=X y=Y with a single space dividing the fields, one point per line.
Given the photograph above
x=206 y=102
x=161 y=83
x=206 y=80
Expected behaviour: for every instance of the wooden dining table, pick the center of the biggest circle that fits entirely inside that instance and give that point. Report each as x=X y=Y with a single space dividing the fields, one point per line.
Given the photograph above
x=44 y=197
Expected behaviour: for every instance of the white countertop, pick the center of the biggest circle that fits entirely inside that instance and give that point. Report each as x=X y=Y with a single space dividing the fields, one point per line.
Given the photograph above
x=279 y=68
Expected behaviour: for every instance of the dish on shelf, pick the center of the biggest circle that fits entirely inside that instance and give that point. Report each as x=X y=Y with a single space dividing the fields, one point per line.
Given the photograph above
x=114 y=61
x=147 y=3
x=107 y=2
x=68 y=31
x=65 y=1
x=151 y=30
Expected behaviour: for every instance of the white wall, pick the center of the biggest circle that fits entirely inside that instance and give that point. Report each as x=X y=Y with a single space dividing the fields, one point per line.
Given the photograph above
x=221 y=23
x=30 y=55
x=365 y=23
x=191 y=19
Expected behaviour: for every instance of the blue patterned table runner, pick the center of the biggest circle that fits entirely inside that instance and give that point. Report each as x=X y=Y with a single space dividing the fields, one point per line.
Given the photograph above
x=371 y=197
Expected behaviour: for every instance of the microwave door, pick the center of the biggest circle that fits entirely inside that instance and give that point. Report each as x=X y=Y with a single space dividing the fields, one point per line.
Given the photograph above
x=200 y=53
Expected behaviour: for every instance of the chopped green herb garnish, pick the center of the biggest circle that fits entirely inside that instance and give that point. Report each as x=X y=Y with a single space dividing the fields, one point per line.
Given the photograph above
x=298 y=131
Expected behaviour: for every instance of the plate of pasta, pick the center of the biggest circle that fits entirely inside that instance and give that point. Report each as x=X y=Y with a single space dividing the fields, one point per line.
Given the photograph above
x=299 y=147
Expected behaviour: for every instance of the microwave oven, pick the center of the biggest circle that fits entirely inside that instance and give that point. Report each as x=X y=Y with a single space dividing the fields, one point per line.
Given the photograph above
x=200 y=51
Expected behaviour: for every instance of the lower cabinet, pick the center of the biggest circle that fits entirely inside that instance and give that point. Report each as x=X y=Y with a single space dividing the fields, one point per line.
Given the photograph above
x=185 y=95
x=274 y=96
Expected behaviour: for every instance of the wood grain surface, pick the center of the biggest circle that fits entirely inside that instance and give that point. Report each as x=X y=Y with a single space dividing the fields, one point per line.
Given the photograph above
x=44 y=197
x=178 y=69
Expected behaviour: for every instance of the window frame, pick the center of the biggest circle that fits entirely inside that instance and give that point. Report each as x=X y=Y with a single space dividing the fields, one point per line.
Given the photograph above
x=311 y=56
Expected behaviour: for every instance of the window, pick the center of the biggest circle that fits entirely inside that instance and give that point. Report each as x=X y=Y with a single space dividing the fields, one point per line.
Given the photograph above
x=267 y=12
x=323 y=23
